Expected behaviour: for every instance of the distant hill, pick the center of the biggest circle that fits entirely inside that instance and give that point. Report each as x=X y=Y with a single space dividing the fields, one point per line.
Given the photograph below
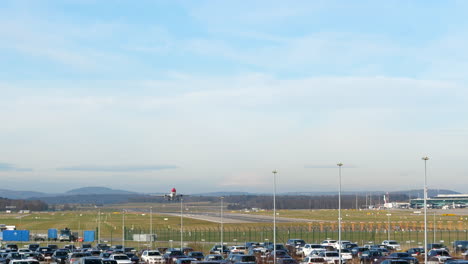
x=10 y=194
x=96 y=190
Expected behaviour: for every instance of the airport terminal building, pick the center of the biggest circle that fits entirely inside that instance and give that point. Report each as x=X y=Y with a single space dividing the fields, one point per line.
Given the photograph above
x=442 y=201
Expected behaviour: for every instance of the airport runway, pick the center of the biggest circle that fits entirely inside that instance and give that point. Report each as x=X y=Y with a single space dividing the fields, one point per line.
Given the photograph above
x=237 y=218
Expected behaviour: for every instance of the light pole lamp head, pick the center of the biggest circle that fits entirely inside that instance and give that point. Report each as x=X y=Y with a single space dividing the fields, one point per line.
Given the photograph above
x=339 y=164
x=425 y=158
x=275 y=171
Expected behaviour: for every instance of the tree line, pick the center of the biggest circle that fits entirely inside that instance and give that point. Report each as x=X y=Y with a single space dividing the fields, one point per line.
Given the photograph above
x=16 y=205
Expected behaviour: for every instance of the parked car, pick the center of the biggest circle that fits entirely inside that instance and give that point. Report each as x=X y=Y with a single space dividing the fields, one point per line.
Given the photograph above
x=12 y=256
x=279 y=255
x=90 y=260
x=239 y=248
x=25 y=261
x=152 y=256
x=405 y=256
x=33 y=247
x=328 y=243
x=172 y=255
x=184 y=260
x=460 y=246
x=11 y=247
x=214 y=257
x=456 y=261
x=392 y=244
x=286 y=261
x=33 y=255
x=293 y=245
x=133 y=258
x=46 y=252
x=307 y=248
x=370 y=256
x=394 y=261
x=439 y=255
x=73 y=258
x=243 y=259
x=108 y=261
x=436 y=246
x=313 y=260
x=346 y=254
x=331 y=257
x=415 y=251
x=342 y=245
x=120 y=258
x=196 y=255
x=60 y=256
x=357 y=251
x=216 y=249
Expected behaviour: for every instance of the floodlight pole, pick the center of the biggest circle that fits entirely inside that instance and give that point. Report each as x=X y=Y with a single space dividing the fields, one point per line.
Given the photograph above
x=222 y=224
x=274 y=216
x=339 y=213
x=99 y=226
x=123 y=228
x=151 y=227
x=388 y=226
x=425 y=208
x=181 y=225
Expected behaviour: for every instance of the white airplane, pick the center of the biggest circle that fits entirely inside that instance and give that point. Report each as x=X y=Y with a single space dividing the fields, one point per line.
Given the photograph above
x=172 y=196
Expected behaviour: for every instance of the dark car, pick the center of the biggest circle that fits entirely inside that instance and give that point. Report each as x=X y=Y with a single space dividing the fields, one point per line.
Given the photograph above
x=170 y=256
x=350 y=245
x=75 y=257
x=456 y=261
x=436 y=246
x=279 y=255
x=394 y=261
x=94 y=252
x=90 y=260
x=286 y=261
x=46 y=252
x=109 y=261
x=405 y=256
x=214 y=257
x=415 y=251
x=102 y=247
x=294 y=244
x=105 y=255
x=33 y=247
x=357 y=251
x=53 y=246
x=134 y=258
x=279 y=247
x=196 y=255
x=11 y=247
x=33 y=255
x=460 y=246
x=243 y=259
x=12 y=256
x=216 y=249
x=370 y=256
x=60 y=256
x=86 y=246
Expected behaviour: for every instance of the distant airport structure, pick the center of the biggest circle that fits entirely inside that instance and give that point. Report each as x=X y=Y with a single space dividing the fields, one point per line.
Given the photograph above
x=442 y=201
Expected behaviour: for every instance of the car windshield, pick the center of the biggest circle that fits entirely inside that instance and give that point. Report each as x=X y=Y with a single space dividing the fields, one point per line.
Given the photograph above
x=392 y=243
x=331 y=254
x=61 y=253
x=154 y=253
x=120 y=257
x=197 y=254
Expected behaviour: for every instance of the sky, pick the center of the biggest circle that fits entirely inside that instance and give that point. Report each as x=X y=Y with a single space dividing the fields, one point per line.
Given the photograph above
x=214 y=95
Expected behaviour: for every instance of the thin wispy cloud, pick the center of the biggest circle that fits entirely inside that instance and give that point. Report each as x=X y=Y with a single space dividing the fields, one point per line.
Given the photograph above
x=12 y=167
x=136 y=168
x=327 y=166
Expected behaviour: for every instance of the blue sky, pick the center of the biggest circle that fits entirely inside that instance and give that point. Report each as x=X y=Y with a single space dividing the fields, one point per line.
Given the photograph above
x=214 y=95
